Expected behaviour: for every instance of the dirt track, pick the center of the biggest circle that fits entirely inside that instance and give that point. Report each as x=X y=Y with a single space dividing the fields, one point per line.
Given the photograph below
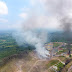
x=35 y=64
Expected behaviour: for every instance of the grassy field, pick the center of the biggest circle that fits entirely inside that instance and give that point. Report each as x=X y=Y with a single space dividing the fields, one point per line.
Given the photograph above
x=52 y=62
x=59 y=66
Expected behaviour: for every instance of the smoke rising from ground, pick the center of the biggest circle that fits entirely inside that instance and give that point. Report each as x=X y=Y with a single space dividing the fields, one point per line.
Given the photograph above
x=56 y=12
x=32 y=38
x=31 y=34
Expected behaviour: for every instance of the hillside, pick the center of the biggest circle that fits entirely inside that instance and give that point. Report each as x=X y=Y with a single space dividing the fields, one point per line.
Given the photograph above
x=14 y=58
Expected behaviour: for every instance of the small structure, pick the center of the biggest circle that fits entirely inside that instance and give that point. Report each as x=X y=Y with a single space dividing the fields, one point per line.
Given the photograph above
x=49 y=46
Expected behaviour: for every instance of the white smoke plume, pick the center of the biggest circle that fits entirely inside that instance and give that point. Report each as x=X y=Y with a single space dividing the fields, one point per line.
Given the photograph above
x=54 y=11
x=30 y=34
x=31 y=38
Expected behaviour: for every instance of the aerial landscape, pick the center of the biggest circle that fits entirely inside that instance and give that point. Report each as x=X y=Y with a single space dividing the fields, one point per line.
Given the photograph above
x=35 y=36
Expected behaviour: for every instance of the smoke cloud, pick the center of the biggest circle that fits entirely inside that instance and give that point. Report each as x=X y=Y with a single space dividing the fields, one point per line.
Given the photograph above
x=32 y=34
x=32 y=38
x=56 y=12
x=58 y=7
x=67 y=31
x=62 y=10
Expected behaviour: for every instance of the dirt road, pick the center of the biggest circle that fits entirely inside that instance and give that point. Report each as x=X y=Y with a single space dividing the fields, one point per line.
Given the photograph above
x=35 y=64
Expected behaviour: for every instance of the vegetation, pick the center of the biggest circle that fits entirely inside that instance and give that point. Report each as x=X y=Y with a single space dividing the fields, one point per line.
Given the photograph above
x=52 y=62
x=62 y=51
x=57 y=37
x=8 y=45
x=60 y=66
